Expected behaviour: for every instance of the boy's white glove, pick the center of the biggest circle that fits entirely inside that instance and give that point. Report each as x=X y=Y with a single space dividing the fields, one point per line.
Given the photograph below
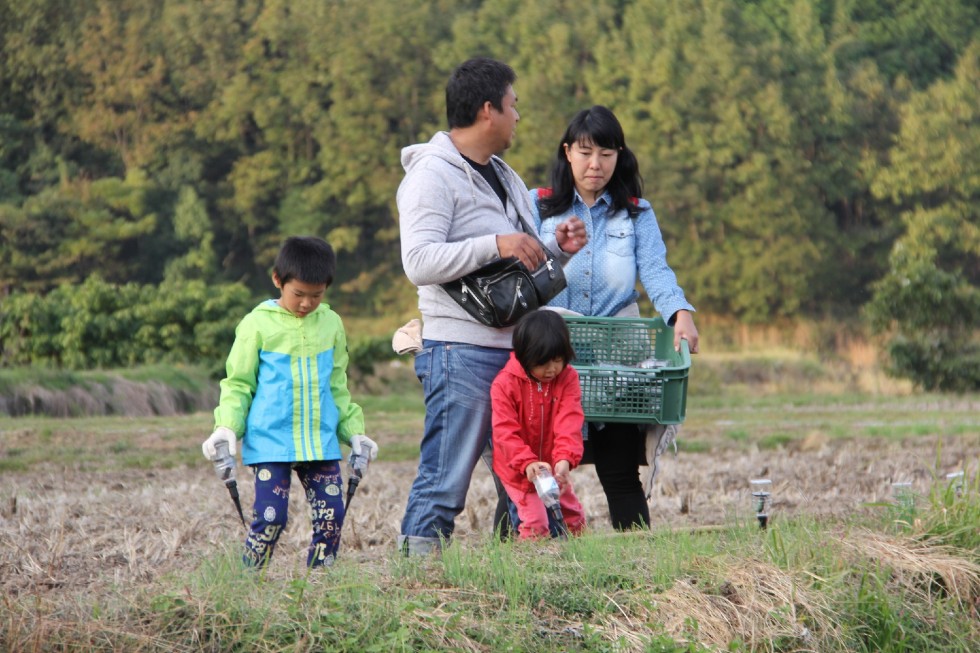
x=362 y=445
x=220 y=433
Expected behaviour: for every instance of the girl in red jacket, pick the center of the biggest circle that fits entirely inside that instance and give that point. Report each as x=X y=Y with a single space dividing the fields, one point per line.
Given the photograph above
x=537 y=421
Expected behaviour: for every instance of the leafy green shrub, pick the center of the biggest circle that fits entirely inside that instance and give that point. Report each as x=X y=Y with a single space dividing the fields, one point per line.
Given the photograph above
x=366 y=352
x=100 y=325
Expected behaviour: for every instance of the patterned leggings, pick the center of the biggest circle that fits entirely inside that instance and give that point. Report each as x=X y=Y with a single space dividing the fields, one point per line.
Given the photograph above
x=323 y=485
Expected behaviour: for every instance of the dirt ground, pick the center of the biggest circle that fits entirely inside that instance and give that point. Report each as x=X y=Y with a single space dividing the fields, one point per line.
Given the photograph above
x=67 y=532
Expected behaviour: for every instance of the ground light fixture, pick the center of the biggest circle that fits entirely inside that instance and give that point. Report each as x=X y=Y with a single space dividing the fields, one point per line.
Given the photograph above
x=955 y=480
x=903 y=495
x=761 y=499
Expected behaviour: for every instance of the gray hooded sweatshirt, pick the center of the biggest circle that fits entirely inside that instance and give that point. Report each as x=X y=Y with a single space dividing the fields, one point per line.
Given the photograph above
x=449 y=219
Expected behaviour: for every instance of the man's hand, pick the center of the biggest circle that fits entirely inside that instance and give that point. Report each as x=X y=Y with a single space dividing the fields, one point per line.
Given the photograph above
x=220 y=433
x=571 y=235
x=684 y=329
x=524 y=246
x=562 y=470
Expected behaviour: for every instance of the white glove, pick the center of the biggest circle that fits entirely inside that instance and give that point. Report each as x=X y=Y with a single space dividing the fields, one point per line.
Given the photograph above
x=362 y=445
x=220 y=433
x=408 y=338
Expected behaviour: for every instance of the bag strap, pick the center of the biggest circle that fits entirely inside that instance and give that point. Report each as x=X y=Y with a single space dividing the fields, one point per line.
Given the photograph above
x=525 y=227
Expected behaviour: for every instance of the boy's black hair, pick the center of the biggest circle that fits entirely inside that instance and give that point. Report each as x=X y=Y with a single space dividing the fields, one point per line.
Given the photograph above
x=307 y=259
x=473 y=83
x=599 y=127
x=541 y=336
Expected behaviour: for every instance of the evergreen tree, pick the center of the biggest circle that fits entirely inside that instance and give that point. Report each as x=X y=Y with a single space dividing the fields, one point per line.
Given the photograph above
x=928 y=304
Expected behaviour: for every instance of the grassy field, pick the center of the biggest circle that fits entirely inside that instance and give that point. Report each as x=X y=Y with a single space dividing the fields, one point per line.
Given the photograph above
x=115 y=535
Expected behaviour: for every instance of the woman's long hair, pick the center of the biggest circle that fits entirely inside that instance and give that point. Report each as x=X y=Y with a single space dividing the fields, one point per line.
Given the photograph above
x=597 y=126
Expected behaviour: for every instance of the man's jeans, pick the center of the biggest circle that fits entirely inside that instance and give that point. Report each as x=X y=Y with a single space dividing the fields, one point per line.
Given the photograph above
x=456 y=381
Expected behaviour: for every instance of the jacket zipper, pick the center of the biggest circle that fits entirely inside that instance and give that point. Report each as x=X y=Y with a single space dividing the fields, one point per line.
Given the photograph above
x=541 y=428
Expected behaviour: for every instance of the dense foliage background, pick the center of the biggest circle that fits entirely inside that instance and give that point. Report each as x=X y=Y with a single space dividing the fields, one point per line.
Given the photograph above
x=807 y=158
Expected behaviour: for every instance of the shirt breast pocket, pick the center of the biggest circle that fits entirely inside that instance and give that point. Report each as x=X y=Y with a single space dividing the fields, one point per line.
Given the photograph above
x=620 y=240
x=548 y=228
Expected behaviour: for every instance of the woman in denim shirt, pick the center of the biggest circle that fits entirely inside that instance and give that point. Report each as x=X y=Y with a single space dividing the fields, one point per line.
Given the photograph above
x=595 y=176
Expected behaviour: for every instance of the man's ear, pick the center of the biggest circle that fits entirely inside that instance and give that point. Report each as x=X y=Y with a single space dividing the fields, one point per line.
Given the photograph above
x=486 y=111
x=275 y=281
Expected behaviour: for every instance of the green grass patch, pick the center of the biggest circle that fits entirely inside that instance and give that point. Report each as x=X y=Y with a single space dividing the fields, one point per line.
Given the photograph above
x=737 y=435
x=775 y=441
x=182 y=377
x=906 y=430
x=104 y=444
x=802 y=584
x=690 y=445
x=14 y=465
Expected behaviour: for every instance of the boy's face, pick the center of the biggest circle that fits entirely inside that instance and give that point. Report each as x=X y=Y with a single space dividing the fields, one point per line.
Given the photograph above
x=298 y=297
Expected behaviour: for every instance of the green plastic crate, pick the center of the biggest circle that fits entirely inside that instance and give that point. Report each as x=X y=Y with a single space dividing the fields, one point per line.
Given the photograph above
x=628 y=369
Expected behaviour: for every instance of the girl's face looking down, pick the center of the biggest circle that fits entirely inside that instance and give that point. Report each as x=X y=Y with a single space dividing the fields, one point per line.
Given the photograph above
x=592 y=168
x=548 y=370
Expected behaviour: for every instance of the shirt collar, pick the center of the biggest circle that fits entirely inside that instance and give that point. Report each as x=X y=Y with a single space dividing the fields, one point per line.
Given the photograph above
x=604 y=198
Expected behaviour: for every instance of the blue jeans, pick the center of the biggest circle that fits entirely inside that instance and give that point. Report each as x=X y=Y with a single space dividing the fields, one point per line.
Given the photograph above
x=456 y=381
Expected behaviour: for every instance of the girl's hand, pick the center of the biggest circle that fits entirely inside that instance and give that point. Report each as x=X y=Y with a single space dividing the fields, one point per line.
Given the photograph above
x=531 y=471
x=562 y=470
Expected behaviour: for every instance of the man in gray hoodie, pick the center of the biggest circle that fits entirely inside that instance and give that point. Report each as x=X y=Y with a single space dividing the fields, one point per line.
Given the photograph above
x=458 y=209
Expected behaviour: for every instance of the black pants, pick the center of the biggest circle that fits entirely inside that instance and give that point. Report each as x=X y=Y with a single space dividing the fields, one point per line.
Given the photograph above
x=618 y=450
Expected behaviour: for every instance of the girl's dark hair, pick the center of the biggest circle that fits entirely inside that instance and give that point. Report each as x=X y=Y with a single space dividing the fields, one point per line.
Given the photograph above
x=597 y=126
x=541 y=336
x=306 y=258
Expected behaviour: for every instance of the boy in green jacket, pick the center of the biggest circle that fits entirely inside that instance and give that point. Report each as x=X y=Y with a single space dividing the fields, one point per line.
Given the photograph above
x=285 y=395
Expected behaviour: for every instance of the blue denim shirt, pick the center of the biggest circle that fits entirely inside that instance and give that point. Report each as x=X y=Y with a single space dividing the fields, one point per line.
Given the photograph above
x=602 y=276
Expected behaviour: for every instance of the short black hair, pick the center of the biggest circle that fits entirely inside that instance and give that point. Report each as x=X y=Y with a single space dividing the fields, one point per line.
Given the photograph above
x=541 y=336
x=306 y=258
x=473 y=83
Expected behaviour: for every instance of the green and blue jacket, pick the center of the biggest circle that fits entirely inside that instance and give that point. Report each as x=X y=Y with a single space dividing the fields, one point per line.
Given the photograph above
x=285 y=394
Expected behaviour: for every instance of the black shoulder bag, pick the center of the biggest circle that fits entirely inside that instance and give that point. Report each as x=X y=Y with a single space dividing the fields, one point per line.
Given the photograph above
x=502 y=291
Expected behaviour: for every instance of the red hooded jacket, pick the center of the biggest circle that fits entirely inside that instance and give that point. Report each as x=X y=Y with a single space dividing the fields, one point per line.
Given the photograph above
x=534 y=421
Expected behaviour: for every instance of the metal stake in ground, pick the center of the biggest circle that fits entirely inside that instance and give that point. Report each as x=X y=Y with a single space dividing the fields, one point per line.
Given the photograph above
x=357 y=466
x=224 y=465
x=761 y=497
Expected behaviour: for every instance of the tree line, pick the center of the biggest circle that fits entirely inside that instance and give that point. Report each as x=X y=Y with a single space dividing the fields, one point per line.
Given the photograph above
x=806 y=158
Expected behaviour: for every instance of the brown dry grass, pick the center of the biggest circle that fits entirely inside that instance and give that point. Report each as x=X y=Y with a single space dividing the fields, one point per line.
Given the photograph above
x=922 y=568
x=83 y=530
x=755 y=601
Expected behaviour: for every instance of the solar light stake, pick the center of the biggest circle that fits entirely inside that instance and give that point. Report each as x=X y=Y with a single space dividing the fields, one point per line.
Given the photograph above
x=903 y=495
x=224 y=466
x=357 y=466
x=955 y=481
x=761 y=498
x=547 y=488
